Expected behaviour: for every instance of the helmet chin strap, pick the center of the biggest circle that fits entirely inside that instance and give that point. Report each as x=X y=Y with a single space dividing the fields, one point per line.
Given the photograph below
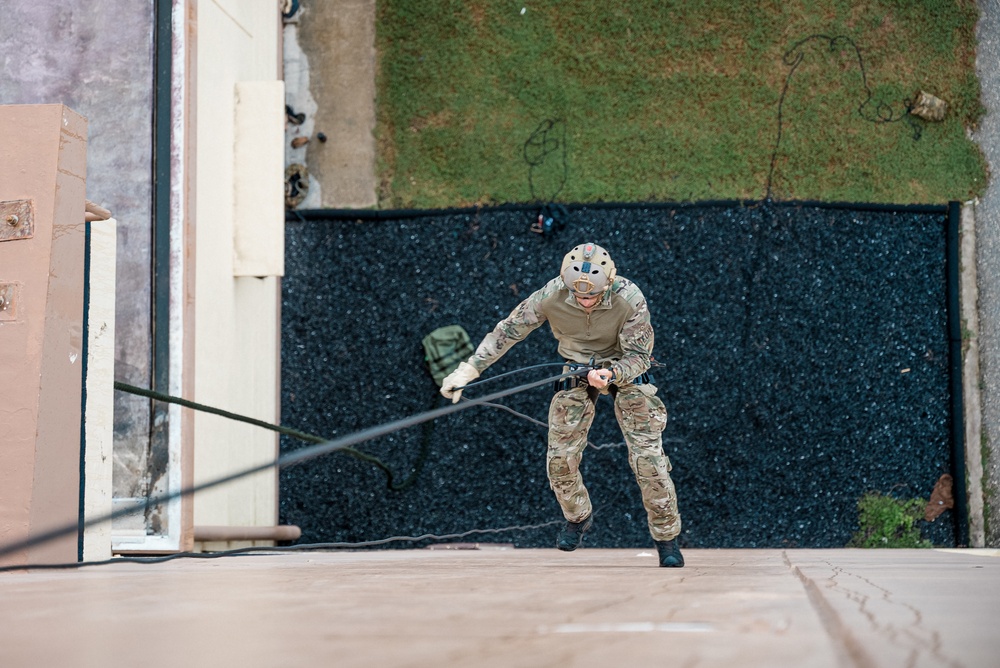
x=583 y=286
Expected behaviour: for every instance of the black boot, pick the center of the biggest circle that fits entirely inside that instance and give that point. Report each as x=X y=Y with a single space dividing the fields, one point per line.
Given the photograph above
x=670 y=554
x=571 y=535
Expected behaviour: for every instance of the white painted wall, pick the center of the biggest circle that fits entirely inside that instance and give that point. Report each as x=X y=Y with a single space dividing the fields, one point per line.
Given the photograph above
x=99 y=415
x=236 y=317
x=259 y=216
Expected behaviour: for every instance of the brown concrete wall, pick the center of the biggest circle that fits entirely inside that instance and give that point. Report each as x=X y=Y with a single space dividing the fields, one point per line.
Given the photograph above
x=97 y=58
x=41 y=336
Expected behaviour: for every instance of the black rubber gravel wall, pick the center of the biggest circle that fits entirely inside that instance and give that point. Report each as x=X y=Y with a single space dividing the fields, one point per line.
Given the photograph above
x=804 y=353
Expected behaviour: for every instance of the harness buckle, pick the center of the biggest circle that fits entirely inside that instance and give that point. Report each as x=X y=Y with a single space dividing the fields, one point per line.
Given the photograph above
x=570 y=382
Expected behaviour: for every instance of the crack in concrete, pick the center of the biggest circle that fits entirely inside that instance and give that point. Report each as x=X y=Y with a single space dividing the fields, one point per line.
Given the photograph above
x=848 y=650
x=913 y=636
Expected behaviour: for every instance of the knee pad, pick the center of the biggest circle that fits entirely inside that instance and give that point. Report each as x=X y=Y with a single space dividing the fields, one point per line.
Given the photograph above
x=652 y=467
x=641 y=413
x=558 y=467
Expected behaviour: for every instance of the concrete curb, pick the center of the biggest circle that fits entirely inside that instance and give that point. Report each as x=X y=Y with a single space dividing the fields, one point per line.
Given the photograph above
x=987 y=242
x=972 y=405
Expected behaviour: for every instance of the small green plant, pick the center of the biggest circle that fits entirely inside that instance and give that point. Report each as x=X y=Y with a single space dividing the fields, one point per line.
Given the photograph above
x=889 y=522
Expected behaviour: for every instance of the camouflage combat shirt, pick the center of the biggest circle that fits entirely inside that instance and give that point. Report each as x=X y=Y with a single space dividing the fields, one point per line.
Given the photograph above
x=617 y=334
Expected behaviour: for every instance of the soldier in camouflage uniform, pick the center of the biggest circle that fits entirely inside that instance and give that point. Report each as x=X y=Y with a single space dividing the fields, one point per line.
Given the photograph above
x=599 y=320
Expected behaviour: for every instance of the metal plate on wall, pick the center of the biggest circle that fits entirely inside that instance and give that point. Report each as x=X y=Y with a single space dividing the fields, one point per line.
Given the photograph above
x=16 y=220
x=8 y=302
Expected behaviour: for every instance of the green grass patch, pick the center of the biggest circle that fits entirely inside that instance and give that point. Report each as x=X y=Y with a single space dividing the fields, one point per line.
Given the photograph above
x=885 y=521
x=669 y=101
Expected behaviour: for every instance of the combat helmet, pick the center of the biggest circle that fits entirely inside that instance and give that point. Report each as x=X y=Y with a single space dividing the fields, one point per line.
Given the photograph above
x=588 y=270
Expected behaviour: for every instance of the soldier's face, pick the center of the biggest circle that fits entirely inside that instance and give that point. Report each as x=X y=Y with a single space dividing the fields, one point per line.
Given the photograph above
x=587 y=302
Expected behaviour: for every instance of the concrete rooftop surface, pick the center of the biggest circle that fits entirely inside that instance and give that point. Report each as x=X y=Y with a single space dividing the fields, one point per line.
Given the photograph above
x=512 y=607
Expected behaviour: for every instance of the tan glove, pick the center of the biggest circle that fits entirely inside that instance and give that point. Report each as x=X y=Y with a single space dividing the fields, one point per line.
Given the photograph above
x=452 y=386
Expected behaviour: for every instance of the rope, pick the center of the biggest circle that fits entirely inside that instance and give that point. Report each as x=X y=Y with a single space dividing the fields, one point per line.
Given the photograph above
x=295 y=433
x=883 y=112
x=512 y=372
x=590 y=444
x=166 y=398
x=296 y=457
x=538 y=147
x=652 y=363
x=265 y=549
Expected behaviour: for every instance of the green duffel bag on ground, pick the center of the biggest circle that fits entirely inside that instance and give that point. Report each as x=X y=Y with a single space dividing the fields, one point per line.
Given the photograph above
x=444 y=349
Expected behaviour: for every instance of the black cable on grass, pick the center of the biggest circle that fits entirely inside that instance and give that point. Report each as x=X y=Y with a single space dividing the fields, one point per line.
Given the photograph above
x=547 y=139
x=289 y=459
x=875 y=111
x=870 y=109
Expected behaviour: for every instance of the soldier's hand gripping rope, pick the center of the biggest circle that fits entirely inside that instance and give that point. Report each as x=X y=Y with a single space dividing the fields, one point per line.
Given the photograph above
x=465 y=375
x=602 y=326
x=457 y=380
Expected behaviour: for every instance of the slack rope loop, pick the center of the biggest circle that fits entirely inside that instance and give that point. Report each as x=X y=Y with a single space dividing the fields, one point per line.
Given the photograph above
x=267 y=549
x=166 y=398
x=296 y=457
x=547 y=142
x=874 y=111
x=590 y=444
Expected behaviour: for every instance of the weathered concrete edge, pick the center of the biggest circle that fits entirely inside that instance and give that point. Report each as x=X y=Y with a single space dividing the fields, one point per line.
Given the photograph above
x=847 y=648
x=973 y=413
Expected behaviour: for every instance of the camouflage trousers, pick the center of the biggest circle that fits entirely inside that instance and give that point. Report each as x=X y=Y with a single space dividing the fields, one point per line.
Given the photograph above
x=642 y=417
